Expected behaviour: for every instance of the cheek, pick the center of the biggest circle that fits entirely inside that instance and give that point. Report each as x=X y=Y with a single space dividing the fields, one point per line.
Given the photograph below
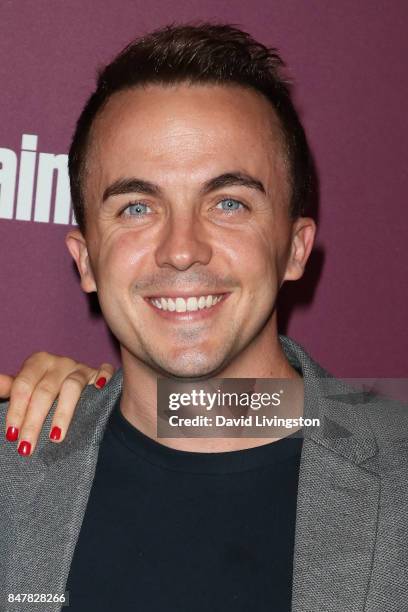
x=119 y=259
x=258 y=248
x=252 y=254
x=273 y=242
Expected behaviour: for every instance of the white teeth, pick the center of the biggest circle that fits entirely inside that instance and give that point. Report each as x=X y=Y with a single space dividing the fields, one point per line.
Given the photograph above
x=181 y=305
x=192 y=304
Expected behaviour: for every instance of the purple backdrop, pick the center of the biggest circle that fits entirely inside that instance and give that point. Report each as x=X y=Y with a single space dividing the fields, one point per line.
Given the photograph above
x=349 y=62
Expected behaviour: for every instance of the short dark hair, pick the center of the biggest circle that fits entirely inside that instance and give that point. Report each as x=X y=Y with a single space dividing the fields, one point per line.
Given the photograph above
x=198 y=53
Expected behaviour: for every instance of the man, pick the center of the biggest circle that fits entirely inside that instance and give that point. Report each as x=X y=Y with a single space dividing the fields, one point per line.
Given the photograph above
x=190 y=174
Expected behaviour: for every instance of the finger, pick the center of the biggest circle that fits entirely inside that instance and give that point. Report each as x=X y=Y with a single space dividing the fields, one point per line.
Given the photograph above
x=103 y=375
x=35 y=414
x=67 y=402
x=40 y=403
x=32 y=371
x=5 y=385
x=20 y=394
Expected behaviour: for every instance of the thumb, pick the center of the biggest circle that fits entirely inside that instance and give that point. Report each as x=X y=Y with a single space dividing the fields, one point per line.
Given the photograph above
x=5 y=385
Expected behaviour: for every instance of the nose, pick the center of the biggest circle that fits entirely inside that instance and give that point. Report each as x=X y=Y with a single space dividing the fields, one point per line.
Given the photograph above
x=183 y=244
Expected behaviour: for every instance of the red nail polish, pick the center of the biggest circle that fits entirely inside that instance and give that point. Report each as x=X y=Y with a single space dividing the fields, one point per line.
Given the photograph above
x=12 y=434
x=24 y=448
x=101 y=382
x=55 y=433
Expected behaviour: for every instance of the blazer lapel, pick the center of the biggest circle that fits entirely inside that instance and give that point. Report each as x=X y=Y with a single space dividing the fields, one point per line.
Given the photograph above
x=50 y=496
x=336 y=524
x=338 y=496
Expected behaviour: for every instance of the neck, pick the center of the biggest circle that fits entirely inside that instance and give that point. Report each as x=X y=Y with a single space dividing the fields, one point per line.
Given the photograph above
x=263 y=358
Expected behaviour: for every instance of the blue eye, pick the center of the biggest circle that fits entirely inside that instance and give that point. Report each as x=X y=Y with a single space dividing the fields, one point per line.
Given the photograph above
x=230 y=204
x=136 y=210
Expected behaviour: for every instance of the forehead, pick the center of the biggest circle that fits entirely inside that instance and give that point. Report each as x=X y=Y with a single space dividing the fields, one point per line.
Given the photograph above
x=185 y=131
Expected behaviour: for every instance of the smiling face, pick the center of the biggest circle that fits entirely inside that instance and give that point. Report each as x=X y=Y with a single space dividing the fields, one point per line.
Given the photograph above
x=188 y=230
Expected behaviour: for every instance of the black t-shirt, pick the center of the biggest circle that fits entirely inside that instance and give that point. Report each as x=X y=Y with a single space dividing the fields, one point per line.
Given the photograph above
x=168 y=530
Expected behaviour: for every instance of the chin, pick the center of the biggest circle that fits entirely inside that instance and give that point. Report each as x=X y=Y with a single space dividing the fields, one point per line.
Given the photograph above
x=191 y=367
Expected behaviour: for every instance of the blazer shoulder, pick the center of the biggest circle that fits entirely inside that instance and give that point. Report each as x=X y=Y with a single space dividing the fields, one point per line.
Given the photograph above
x=388 y=419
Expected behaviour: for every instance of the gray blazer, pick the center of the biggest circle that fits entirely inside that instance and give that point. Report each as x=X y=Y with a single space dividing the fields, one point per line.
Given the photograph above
x=351 y=552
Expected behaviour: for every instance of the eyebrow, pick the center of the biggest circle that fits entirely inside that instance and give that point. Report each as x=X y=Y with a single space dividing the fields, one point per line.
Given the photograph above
x=228 y=179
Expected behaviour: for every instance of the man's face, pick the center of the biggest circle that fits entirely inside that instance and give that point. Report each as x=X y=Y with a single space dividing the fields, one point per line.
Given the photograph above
x=188 y=229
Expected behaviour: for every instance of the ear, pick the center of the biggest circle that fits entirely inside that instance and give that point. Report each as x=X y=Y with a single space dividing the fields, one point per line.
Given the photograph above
x=76 y=244
x=303 y=235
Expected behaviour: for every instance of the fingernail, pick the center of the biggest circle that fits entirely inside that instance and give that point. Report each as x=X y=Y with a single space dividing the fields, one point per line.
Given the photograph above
x=55 y=433
x=101 y=382
x=24 y=448
x=12 y=434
